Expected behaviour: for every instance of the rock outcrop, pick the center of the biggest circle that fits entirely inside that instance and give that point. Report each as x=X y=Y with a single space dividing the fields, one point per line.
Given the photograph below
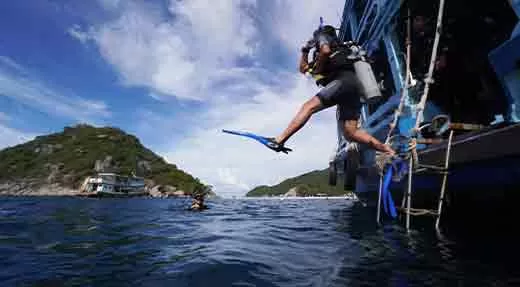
x=292 y=192
x=165 y=191
x=103 y=165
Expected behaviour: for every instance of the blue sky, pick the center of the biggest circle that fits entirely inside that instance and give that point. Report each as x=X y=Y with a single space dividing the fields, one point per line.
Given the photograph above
x=174 y=73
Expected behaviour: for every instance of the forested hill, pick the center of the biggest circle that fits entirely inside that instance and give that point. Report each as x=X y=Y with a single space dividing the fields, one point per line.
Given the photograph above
x=309 y=184
x=67 y=157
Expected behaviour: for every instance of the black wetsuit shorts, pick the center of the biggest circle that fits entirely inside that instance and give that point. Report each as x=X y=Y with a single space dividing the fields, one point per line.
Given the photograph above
x=345 y=90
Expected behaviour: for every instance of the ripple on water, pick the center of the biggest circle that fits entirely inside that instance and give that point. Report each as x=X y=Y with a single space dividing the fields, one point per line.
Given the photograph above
x=143 y=242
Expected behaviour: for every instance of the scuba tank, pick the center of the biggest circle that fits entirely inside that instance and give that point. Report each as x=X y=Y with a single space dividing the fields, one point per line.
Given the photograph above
x=365 y=74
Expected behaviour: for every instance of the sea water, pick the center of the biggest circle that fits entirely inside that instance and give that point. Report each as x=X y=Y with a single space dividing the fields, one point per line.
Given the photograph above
x=158 y=242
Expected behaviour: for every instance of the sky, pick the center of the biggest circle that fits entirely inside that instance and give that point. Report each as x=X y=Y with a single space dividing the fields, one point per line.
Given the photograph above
x=174 y=73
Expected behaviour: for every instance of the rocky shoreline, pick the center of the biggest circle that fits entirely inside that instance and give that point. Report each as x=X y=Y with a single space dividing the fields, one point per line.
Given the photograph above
x=31 y=188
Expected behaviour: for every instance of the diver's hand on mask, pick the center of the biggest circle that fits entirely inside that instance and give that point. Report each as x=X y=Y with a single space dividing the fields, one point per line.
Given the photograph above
x=308 y=46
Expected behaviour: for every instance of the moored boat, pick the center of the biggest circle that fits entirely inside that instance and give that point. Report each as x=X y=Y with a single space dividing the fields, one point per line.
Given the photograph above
x=113 y=185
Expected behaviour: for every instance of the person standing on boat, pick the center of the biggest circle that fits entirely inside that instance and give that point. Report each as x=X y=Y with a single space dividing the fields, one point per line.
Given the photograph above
x=335 y=73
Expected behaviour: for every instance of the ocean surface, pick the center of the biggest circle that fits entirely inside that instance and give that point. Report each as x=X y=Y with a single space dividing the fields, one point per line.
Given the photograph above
x=158 y=242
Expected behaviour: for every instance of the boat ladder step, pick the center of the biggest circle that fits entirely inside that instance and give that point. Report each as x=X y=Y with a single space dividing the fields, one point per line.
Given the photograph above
x=418 y=211
x=425 y=168
x=406 y=207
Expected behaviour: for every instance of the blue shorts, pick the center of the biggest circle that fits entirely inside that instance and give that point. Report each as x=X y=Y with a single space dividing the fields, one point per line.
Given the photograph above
x=346 y=92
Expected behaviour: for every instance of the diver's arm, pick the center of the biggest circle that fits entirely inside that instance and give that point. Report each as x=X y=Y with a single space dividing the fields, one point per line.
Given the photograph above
x=322 y=56
x=304 y=62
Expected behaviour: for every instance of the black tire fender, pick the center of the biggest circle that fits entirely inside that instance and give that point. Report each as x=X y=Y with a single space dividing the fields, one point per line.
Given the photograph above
x=333 y=173
x=352 y=162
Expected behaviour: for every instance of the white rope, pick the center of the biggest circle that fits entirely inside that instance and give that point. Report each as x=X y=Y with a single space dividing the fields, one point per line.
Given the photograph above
x=413 y=160
x=429 y=78
x=405 y=86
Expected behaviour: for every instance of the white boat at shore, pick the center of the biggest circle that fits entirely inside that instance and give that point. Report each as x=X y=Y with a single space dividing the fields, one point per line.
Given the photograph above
x=113 y=185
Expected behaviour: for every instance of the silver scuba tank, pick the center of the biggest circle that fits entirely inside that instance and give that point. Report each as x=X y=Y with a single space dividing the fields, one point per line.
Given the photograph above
x=365 y=75
x=368 y=80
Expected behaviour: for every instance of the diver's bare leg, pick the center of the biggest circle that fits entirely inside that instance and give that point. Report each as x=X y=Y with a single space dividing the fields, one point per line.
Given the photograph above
x=353 y=133
x=309 y=108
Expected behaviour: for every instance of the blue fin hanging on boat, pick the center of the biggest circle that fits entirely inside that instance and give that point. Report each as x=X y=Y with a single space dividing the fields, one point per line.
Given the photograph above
x=268 y=142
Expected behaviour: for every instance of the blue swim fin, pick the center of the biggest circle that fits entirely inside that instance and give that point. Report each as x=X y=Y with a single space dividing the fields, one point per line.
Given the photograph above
x=268 y=142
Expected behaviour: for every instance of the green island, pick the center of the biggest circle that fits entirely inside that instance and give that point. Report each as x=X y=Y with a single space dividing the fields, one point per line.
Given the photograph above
x=314 y=183
x=63 y=160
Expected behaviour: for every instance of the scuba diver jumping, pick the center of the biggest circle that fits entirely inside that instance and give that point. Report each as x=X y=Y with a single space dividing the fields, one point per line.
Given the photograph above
x=334 y=71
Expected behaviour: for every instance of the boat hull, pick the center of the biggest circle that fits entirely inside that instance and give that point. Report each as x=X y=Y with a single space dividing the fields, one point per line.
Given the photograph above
x=115 y=194
x=484 y=170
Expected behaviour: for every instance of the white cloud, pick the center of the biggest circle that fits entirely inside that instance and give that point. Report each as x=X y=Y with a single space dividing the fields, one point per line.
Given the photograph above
x=7 y=62
x=4 y=117
x=209 y=51
x=296 y=20
x=236 y=164
x=76 y=32
x=198 y=44
x=177 y=55
x=10 y=137
x=18 y=84
x=110 y=4
x=223 y=29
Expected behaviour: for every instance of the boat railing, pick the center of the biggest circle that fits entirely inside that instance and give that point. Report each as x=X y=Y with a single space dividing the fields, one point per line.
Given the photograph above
x=382 y=113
